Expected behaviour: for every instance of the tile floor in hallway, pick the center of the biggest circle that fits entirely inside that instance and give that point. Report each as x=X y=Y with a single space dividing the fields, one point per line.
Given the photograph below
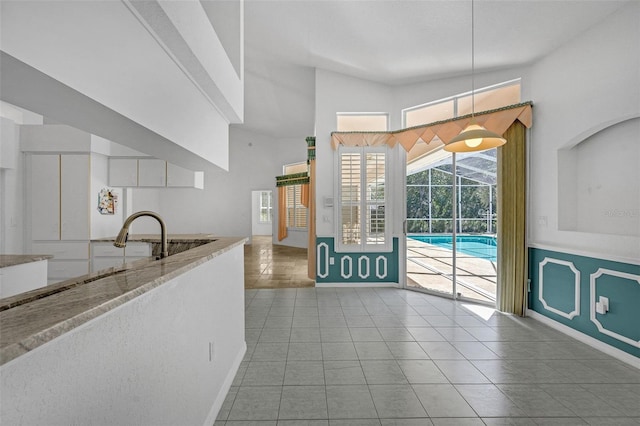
x=268 y=265
x=360 y=357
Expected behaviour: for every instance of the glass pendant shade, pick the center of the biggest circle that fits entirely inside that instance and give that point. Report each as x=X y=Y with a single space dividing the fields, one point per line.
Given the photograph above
x=474 y=138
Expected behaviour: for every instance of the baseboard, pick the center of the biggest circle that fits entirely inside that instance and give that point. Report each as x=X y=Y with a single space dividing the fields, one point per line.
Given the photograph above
x=588 y=340
x=224 y=390
x=361 y=285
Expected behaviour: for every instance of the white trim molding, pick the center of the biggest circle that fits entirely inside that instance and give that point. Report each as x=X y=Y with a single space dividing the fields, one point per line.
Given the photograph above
x=576 y=273
x=346 y=272
x=381 y=267
x=586 y=253
x=323 y=247
x=592 y=304
x=363 y=271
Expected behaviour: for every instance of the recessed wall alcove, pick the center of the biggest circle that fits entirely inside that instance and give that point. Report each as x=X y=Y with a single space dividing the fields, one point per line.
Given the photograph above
x=599 y=182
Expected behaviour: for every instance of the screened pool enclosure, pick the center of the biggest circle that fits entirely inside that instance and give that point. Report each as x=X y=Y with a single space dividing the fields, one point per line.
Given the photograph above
x=430 y=222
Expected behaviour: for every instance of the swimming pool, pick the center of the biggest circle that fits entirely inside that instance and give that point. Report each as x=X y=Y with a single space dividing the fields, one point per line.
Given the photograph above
x=481 y=246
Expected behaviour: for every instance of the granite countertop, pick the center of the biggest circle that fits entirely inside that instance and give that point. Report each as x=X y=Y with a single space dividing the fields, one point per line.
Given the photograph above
x=30 y=319
x=155 y=238
x=7 y=260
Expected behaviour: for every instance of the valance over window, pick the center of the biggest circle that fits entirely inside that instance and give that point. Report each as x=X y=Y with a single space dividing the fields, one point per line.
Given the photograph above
x=497 y=120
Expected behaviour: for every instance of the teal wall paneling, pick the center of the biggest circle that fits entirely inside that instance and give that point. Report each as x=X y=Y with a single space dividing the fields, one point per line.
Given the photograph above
x=355 y=267
x=565 y=287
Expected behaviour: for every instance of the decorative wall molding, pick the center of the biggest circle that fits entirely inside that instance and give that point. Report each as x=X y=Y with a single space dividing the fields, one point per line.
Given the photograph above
x=353 y=268
x=381 y=267
x=592 y=305
x=322 y=272
x=576 y=273
x=346 y=271
x=363 y=267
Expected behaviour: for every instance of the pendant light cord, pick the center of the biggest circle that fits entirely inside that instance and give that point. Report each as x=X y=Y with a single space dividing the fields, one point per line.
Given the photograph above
x=473 y=65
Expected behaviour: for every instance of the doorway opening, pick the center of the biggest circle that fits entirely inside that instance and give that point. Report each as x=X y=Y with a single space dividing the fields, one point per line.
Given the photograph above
x=470 y=271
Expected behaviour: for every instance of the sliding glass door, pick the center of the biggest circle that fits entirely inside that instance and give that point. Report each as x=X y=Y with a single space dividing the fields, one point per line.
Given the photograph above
x=447 y=193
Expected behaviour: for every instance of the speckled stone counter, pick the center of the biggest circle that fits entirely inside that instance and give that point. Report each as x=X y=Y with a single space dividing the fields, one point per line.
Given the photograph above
x=31 y=319
x=7 y=260
x=177 y=242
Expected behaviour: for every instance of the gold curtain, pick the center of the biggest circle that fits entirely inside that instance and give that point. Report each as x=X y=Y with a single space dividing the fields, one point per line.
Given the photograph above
x=311 y=215
x=511 y=198
x=282 y=213
x=304 y=194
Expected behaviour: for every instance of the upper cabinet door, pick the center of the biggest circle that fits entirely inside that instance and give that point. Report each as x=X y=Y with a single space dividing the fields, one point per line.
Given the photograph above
x=74 y=197
x=45 y=197
x=152 y=173
x=123 y=172
x=180 y=177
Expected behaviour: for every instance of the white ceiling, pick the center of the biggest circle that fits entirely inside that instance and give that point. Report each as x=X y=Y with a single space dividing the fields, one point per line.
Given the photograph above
x=392 y=42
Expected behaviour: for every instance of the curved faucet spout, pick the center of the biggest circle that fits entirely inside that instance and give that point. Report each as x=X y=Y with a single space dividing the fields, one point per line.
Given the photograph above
x=121 y=239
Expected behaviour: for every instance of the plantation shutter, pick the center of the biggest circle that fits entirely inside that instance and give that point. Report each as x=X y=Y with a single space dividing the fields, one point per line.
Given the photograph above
x=362 y=198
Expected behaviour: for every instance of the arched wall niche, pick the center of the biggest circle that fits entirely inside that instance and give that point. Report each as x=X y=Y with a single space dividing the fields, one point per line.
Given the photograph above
x=599 y=182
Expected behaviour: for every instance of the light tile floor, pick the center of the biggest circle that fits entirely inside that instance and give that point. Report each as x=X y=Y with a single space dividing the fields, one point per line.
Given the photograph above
x=268 y=265
x=360 y=357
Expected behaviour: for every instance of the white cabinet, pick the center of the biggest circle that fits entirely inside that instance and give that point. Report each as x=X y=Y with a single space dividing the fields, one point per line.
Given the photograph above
x=152 y=173
x=123 y=172
x=75 y=178
x=59 y=197
x=179 y=177
x=45 y=197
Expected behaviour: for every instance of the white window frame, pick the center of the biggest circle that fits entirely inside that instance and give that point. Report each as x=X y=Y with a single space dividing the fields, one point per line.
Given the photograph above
x=362 y=115
x=454 y=98
x=269 y=207
x=364 y=246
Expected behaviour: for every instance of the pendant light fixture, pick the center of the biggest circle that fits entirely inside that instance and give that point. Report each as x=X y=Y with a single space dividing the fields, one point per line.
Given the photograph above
x=474 y=137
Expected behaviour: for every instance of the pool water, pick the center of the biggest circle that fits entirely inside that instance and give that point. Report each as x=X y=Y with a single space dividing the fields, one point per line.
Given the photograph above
x=480 y=246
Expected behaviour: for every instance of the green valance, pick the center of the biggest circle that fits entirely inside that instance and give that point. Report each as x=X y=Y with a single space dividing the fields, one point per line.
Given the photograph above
x=311 y=148
x=292 y=179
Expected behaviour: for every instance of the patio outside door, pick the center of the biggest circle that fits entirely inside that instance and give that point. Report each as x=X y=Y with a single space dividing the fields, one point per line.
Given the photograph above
x=432 y=264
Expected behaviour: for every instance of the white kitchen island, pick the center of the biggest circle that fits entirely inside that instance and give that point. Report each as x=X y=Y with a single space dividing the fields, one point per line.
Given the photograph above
x=156 y=342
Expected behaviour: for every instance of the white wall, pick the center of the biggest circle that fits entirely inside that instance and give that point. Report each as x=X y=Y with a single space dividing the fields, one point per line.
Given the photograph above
x=103 y=225
x=167 y=357
x=585 y=86
x=223 y=207
x=339 y=93
x=590 y=197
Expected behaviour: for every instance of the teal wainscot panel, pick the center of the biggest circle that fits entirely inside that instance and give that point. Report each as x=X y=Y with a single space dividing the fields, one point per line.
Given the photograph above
x=574 y=290
x=355 y=267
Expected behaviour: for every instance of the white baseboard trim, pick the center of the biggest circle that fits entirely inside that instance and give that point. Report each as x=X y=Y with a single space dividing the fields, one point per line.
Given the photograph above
x=588 y=340
x=347 y=285
x=217 y=404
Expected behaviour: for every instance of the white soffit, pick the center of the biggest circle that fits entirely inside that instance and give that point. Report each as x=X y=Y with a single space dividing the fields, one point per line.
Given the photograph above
x=101 y=50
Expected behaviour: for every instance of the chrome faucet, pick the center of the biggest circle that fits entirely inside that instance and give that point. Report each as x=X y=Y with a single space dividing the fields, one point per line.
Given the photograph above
x=121 y=239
